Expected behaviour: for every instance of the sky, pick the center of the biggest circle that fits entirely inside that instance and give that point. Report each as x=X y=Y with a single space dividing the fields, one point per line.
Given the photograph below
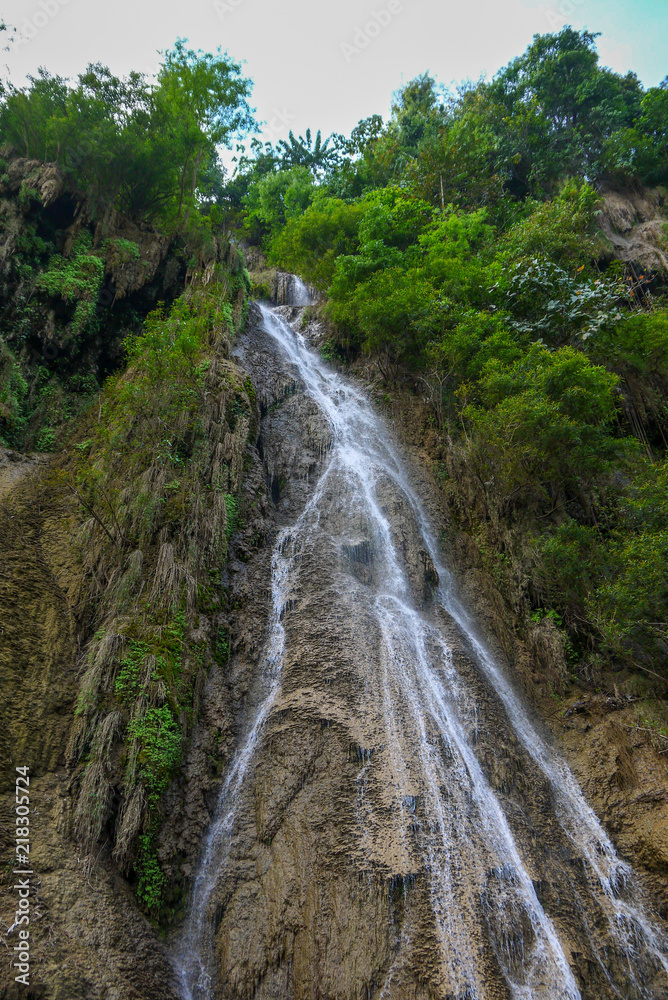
x=326 y=65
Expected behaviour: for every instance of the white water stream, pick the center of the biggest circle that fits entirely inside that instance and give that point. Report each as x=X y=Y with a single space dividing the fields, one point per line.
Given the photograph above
x=429 y=716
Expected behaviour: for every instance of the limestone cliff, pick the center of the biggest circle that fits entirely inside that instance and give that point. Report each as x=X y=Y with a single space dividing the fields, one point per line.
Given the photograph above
x=112 y=617
x=218 y=564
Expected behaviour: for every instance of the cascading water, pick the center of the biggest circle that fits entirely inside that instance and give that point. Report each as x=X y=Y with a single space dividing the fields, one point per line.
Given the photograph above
x=300 y=294
x=429 y=705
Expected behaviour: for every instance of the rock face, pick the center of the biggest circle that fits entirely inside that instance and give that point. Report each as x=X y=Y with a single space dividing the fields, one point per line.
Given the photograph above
x=88 y=939
x=366 y=809
x=291 y=291
x=635 y=224
x=391 y=823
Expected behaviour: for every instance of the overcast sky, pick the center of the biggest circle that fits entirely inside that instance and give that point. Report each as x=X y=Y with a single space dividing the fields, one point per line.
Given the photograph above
x=328 y=64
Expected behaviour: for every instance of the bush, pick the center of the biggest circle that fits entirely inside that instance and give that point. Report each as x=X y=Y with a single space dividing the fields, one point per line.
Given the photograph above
x=77 y=279
x=572 y=559
x=13 y=391
x=158 y=749
x=637 y=343
x=631 y=607
x=562 y=230
x=542 y=424
x=547 y=302
x=311 y=243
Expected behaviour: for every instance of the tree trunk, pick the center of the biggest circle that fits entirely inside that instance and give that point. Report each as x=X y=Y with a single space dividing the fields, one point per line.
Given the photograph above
x=181 y=193
x=198 y=160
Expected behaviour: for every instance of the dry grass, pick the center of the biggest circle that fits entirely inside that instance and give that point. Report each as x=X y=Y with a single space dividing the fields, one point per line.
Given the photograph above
x=96 y=792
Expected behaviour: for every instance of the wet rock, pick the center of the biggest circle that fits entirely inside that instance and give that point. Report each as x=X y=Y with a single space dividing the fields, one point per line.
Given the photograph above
x=363 y=857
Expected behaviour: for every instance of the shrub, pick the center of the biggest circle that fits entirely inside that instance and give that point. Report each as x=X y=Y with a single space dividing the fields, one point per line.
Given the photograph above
x=542 y=424
x=631 y=607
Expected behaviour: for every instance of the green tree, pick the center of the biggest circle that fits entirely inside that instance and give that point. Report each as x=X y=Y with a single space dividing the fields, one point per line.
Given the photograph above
x=311 y=242
x=641 y=150
x=542 y=426
x=148 y=150
x=631 y=607
x=417 y=111
x=582 y=103
x=204 y=100
x=308 y=152
x=275 y=199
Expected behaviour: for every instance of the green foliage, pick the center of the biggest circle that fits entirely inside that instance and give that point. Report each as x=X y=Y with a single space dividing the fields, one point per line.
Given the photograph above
x=464 y=162
x=169 y=369
x=641 y=150
x=307 y=151
x=412 y=275
x=146 y=149
x=121 y=251
x=577 y=102
x=547 y=302
x=127 y=681
x=456 y=357
x=631 y=606
x=46 y=440
x=158 y=744
x=562 y=230
x=571 y=567
x=222 y=647
x=13 y=390
x=202 y=102
x=232 y=511
x=27 y=196
x=310 y=244
x=75 y=279
x=167 y=353
x=638 y=343
x=542 y=424
x=277 y=198
x=151 y=882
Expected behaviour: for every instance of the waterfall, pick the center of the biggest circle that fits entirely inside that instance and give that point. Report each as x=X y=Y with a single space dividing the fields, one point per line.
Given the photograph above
x=430 y=701
x=292 y=291
x=301 y=296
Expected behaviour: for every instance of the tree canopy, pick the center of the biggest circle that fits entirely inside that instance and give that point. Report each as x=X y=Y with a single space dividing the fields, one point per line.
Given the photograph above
x=145 y=147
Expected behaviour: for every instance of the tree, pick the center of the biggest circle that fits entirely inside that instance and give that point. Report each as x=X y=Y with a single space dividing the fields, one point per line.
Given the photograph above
x=580 y=102
x=416 y=110
x=147 y=150
x=27 y=115
x=275 y=199
x=310 y=243
x=631 y=606
x=542 y=425
x=307 y=152
x=642 y=149
x=204 y=101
